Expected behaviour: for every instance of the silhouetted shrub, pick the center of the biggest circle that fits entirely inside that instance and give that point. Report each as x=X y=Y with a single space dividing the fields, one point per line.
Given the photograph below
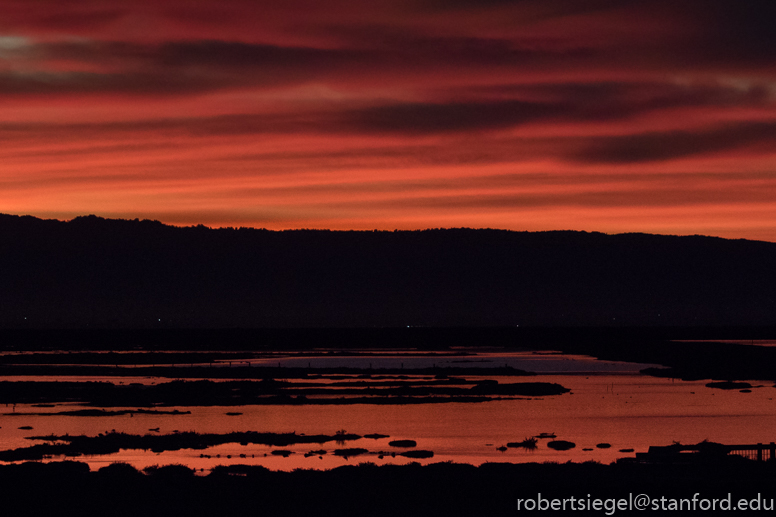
x=119 y=470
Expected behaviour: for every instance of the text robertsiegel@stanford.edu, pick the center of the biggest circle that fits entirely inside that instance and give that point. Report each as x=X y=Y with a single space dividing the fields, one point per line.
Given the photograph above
x=609 y=506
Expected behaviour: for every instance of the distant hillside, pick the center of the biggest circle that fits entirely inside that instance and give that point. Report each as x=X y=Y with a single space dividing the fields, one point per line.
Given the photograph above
x=115 y=273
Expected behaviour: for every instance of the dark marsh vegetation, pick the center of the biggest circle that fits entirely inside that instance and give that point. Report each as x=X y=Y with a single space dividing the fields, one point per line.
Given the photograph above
x=112 y=442
x=267 y=391
x=440 y=489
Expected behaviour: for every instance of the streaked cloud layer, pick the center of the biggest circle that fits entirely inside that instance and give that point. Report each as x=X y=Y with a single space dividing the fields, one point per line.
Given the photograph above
x=654 y=116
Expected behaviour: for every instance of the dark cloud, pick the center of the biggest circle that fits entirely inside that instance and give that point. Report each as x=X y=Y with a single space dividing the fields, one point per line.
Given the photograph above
x=609 y=100
x=701 y=34
x=578 y=104
x=735 y=31
x=67 y=17
x=655 y=95
x=171 y=68
x=246 y=57
x=400 y=47
x=80 y=20
x=511 y=106
x=211 y=54
x=381 y=54
x=537 y=9
x=698 y=33
x=439 y=118
x=658 y=146
x=67 y=83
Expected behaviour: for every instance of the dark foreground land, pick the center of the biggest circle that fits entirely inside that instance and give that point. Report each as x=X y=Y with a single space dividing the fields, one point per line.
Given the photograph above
x=438 y=489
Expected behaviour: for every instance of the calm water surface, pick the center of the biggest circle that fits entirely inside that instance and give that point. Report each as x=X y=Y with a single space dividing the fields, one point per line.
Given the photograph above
x=609 y=402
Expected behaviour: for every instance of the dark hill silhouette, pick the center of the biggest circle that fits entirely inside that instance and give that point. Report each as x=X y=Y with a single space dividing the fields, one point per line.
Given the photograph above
x=94 y=272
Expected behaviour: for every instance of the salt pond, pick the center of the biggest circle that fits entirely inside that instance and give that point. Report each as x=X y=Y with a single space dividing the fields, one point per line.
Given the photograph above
x=609 y=402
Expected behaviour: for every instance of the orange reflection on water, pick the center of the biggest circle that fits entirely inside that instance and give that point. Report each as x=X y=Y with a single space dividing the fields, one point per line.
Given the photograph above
x=626 y=411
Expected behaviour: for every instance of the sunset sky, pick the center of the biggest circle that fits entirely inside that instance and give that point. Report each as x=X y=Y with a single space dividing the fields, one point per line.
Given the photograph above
x=617 y=116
